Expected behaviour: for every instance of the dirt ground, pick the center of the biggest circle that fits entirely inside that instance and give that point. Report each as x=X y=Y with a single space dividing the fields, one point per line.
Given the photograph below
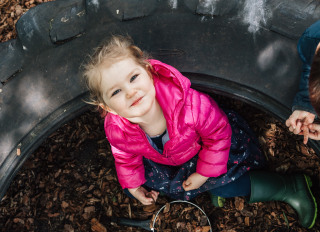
x=69 y=183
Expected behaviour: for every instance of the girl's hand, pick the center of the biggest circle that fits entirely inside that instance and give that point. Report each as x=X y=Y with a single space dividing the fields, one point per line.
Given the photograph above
x=194 y=181
x=142 y=195
x=314 y=131
x=299 y=118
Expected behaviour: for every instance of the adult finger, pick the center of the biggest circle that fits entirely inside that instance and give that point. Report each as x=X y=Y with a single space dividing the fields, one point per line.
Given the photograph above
x=308 y=120
x=291 y=121
x=288 y=123
x=314 y=135
x=313 y=132
x=297 y=129
x=291 y=129
x=313 y=127
x=305 y=130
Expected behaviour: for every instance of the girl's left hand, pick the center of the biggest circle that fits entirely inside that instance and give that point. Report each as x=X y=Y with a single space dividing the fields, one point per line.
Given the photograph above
x=194 y=181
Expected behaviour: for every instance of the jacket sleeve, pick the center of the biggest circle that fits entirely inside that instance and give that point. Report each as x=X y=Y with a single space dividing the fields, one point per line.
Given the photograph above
x=215 y=132
x=130 y=169
x=301 y=100
x=306 y=48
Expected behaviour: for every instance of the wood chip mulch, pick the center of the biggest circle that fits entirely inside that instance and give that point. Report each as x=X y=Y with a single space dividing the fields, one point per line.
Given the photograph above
x=10 y=12
x=69 y=183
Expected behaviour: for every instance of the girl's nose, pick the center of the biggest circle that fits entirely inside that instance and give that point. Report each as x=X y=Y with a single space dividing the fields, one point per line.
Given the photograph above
x=130 y=93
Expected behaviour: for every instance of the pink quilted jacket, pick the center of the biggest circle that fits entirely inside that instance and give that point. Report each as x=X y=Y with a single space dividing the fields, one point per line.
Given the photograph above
x=195 y=123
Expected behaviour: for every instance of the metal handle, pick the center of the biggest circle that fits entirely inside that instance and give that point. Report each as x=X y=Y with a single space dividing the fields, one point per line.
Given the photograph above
x=144 y=224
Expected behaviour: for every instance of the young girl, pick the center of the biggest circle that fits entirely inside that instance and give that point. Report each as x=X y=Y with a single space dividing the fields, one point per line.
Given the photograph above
x=166 y=137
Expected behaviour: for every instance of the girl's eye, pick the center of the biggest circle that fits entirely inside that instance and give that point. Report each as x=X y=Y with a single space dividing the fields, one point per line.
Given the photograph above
x=133 y=78
x=115 y=92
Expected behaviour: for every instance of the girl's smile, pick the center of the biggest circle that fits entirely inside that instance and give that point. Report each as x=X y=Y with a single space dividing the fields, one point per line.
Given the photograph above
x=136 y=102
x=128 y=90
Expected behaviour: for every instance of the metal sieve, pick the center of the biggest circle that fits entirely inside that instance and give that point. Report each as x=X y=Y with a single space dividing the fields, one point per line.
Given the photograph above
x=179 y=201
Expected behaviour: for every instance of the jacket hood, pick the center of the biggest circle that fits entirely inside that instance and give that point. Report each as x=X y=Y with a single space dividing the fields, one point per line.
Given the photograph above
x=163 y=70
x=171 y=87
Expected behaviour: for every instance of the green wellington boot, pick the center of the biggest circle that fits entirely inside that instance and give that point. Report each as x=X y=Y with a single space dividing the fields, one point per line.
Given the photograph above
x=293 y=189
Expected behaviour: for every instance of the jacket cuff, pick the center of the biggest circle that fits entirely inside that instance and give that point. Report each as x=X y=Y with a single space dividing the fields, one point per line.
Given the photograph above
x=210 y=170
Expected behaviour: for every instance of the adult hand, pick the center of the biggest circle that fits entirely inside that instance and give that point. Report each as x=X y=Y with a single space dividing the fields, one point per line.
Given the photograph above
x=194 y=181
x=142 y=195
x=299 y=118
x=314 y=131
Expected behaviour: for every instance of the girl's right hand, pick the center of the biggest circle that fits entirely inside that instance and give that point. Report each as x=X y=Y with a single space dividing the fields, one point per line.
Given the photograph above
x=142 y=195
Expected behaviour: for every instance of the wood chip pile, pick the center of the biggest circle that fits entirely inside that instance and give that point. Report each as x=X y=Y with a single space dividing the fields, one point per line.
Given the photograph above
x=70 y=182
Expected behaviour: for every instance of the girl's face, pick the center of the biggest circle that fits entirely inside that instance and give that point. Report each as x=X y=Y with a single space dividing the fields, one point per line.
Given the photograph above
x=128 y=89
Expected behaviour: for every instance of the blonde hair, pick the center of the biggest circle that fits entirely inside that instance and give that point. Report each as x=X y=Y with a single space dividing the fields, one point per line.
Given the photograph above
x=115 y=49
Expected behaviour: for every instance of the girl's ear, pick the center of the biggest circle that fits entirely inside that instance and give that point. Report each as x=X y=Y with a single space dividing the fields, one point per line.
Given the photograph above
x=107 y=109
